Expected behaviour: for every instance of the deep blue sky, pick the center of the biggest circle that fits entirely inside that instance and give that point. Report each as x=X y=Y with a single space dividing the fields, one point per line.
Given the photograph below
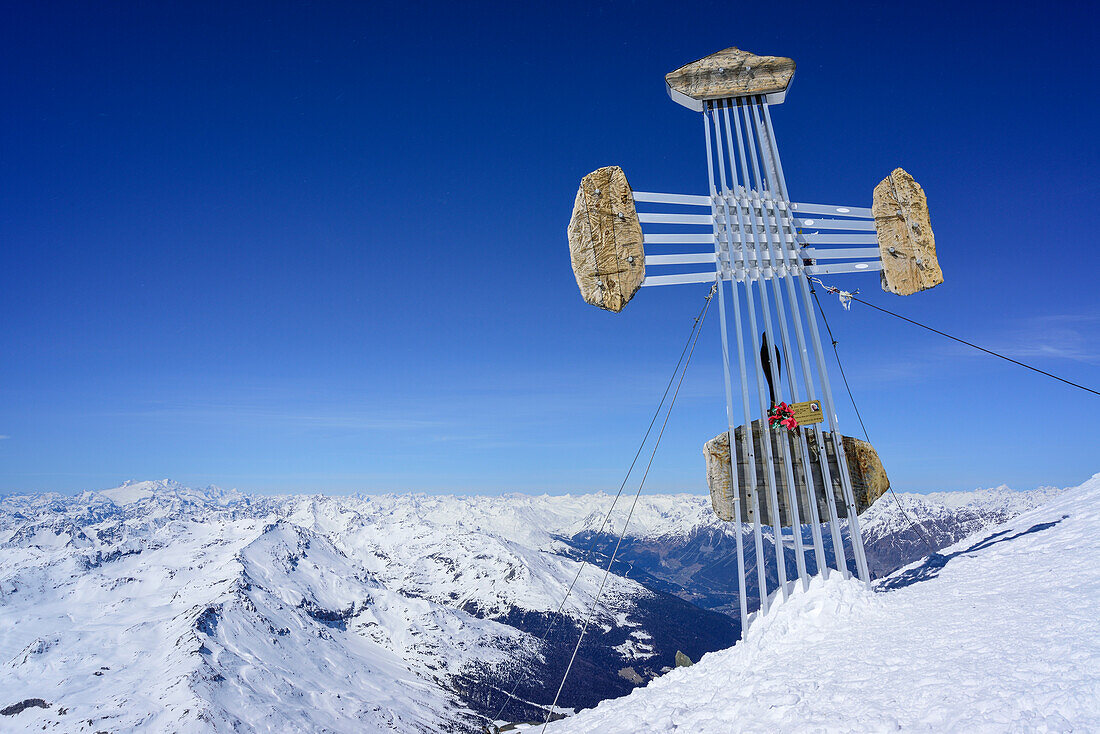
x=320 y=247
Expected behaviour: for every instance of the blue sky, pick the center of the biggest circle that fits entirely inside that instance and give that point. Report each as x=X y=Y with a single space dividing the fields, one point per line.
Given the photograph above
x=321 y=247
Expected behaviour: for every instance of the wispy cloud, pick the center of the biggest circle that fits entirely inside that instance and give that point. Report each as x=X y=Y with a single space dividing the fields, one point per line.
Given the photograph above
x=1067 y=336
x=1074 y=337
x=311 y=418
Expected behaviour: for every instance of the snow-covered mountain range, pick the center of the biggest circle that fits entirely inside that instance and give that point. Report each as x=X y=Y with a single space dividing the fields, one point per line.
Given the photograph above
x=159 y=607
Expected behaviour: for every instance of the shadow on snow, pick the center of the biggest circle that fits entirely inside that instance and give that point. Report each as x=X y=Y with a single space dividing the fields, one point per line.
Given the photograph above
x=934 y=563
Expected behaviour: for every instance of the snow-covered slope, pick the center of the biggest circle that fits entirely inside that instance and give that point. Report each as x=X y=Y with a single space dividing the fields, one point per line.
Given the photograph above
x=157 y=606
x=1000 y=632
x=941 y=518
x=196 y=626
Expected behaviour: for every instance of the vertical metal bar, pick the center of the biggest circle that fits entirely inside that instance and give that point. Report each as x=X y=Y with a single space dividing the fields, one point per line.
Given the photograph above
x=784 y=339
x=746 y=437
x=826 y=472
x=765 y=433
x=838 y=441
x=827 y=399
x=739 y=540
x=734 y=483
x=764 y=134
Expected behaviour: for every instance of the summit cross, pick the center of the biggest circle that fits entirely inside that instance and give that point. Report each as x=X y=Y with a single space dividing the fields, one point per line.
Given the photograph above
x=747 y=235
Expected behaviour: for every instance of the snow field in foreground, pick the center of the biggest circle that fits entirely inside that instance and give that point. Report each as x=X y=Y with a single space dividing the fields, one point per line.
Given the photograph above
x=1000 y=632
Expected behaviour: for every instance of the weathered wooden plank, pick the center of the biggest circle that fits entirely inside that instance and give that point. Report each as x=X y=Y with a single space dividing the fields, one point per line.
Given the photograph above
x=905 y=240
x=728 y=73
x=869 y=480
x=605 y=240
x=717 y=453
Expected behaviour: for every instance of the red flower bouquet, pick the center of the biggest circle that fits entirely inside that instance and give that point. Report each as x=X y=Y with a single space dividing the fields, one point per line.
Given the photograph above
x=782 y=416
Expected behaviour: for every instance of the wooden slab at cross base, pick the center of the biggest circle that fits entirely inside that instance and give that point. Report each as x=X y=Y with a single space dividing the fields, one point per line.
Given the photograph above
x=868 y=478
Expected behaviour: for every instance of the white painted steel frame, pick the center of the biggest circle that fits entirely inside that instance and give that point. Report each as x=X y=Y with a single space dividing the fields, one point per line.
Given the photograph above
x=863 y=225
x=835 y=269
x=832 y=209
x=679 y=279
x=753 y=228
x=799 y=207
x=813 y=238
x=744 y=207
x=691 y=258
x=704 y=220
x=746 y=436
x=815 y=525
x=771 y=493
x=752 y=204
x=744 y=268
x=739 y=540
x=842 y=461
x=773 y=210
x=834 y=522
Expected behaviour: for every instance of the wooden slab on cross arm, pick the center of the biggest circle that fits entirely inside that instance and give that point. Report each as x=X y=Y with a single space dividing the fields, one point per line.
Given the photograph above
x=605 y=240
x=906 y=243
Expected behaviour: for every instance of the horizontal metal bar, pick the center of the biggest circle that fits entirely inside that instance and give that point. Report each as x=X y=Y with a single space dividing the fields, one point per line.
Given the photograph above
x=838 y=253
x=860 y=225
x=815 y=238
x=739 y=274
x=739 y=255
x=864 y=225
x=759 y=221
x=869 y=265
x=678 y=239
x=653 y=218
x=687 y=258
x=688 y=199
x=810 y=239
x=680 y=278
x=835 y=268
x=847 y=211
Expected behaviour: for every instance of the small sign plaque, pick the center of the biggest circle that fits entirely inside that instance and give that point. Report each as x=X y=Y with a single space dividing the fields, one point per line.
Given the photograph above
x=808 y=412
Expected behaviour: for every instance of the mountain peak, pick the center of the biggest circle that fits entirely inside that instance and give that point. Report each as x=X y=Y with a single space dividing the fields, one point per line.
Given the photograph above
x=132 y=491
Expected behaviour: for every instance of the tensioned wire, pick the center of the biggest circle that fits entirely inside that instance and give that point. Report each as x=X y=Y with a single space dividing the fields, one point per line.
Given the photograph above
x=912 y=523
x=852 y=296
x=695 y=329
x=607 y=572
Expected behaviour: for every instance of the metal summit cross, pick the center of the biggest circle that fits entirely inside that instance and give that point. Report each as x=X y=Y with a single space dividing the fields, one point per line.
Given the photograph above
x=767 y=248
